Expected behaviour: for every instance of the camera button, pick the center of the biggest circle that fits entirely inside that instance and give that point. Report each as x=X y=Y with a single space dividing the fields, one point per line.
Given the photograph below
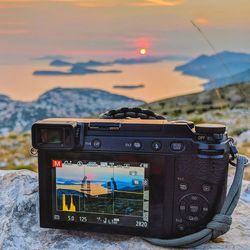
x=156 y=145
x=137 y=145
x=182 y=207
x=183 y=186
x=206 y=188
x=96 y=143
x=180 y=227
x=193 y=208
x=195 y=198
x=177 y=146
x=204 y=209
x=192 y=218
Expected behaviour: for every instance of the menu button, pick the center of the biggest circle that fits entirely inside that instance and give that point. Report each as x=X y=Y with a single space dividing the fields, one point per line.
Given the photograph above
x=177 y=146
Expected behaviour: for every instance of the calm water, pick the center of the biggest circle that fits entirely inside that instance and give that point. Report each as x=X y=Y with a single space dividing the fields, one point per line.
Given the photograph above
x=159 y=79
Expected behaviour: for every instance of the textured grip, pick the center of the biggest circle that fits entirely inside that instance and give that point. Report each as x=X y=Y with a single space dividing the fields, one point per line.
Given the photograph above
x=210 y=170
x=132 y=113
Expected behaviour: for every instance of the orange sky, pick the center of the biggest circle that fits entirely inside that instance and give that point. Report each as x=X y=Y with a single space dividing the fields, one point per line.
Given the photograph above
x=119 y=28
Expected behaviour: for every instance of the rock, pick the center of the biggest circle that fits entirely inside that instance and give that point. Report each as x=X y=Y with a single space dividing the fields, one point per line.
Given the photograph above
x=246 y=195
x=20 y=228
x=244 y=138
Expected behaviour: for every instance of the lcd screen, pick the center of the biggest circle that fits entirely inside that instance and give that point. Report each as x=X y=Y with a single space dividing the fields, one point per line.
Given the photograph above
x=101 y=192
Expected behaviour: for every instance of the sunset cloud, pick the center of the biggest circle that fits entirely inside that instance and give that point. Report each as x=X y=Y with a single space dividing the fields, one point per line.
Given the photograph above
x=11 y=4
x=113 y=3
x=93 y=3
x=166 y=3
x=201 y=21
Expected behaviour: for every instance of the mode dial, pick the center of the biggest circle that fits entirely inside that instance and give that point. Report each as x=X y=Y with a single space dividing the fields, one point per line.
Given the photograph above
x=210 y=128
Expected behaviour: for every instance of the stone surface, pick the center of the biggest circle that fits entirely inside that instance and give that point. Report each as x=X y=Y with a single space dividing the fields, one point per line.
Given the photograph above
x=244 y=137
x=20 y=228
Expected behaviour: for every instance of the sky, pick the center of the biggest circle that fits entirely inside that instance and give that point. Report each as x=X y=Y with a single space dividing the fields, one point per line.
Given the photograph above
x=101 y=29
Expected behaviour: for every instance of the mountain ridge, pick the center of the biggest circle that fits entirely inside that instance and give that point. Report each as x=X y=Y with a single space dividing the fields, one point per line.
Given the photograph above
x=18 y=116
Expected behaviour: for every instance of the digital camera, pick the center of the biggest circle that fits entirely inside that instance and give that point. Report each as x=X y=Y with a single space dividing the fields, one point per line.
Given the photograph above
x=153 y=178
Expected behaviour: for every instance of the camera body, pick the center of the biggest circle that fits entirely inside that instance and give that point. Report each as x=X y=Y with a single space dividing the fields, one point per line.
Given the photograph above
x=153 y=178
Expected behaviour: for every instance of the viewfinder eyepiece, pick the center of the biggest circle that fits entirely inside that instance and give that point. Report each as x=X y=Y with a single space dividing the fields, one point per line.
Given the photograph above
x=53 y=136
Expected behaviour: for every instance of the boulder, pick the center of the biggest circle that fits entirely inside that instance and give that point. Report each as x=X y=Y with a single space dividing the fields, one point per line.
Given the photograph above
x=244 y=138
x=20 y=227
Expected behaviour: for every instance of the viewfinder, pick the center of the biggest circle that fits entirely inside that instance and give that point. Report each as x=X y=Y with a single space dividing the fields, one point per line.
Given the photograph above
x=51 y=135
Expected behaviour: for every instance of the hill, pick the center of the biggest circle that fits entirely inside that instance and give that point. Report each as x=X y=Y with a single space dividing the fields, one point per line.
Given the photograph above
x=220 y=69
x=229 y=105
x=59 y=102
x=241 y=77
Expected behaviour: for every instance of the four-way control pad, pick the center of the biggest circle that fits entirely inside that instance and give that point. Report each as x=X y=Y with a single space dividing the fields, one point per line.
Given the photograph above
x=193 y=208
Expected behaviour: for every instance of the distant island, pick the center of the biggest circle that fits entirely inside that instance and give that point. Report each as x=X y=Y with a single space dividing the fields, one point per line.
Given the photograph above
x=221 y=69
x=75 y=70
x=84 y=68
x=128 y=86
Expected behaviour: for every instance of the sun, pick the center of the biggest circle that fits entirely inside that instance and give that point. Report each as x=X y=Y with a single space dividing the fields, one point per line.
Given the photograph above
x=143 y=51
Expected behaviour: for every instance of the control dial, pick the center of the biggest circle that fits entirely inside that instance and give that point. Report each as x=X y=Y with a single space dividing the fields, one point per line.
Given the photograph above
x=193 y=208
x=210 y=128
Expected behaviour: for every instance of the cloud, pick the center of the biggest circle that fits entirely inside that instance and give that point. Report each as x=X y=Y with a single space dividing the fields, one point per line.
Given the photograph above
x=4 y=4
x=92 y=3
x=12 y=4
x=52 y=57
x=14 y=32
x=94 y=52
x=113 y=3
x=166 y=3
x=201 y=21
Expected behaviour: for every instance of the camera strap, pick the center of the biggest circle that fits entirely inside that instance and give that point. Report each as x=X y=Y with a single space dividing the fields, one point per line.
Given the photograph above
x=221 y=222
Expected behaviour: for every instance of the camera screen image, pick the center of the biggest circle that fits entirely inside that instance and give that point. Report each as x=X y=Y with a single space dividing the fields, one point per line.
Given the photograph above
x=102 y=192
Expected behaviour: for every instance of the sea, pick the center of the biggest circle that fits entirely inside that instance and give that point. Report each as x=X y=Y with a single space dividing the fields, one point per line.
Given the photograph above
x=159 y=79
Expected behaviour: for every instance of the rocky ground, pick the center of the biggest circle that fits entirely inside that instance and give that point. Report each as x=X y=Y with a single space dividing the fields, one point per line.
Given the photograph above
x=15 y=152
x=20 y=228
